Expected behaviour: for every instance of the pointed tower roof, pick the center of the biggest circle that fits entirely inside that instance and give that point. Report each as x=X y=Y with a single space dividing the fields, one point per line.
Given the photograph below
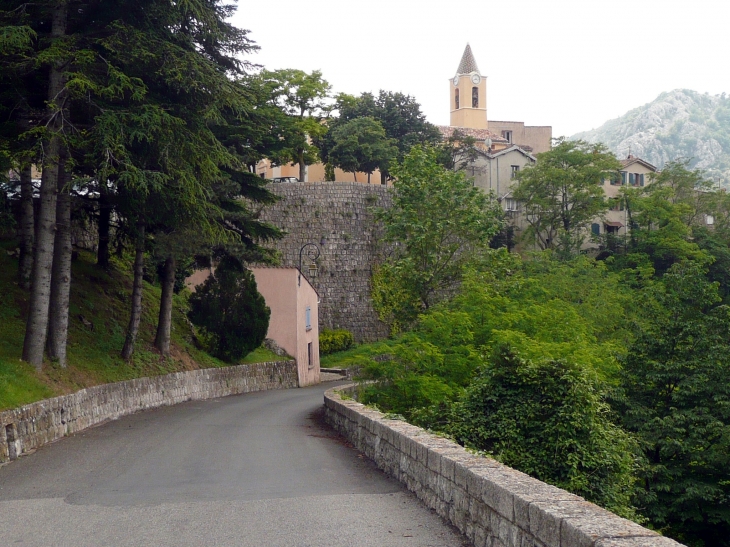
x=468 y=63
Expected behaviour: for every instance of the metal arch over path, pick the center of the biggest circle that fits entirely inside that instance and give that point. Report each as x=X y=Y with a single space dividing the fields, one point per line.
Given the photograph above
x=254 y=470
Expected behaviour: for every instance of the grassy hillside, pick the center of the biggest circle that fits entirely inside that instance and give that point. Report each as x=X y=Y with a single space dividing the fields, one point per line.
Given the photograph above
x=98 y=316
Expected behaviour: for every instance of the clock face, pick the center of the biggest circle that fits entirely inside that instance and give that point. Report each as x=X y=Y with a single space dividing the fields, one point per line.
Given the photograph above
x=475 y=78
x=456 y=80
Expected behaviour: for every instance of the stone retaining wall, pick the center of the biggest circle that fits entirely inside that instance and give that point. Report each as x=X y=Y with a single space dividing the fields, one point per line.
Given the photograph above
x=338 y=218
x=31 y=426
x=490 y=503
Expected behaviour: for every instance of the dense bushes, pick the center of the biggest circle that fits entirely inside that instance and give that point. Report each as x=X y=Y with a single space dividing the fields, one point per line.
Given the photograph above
x=331 y=341
x=608 y=381
x=547 y=418
x=674 y=396
x=517 y=365
x=231 y=314
x=609 y=377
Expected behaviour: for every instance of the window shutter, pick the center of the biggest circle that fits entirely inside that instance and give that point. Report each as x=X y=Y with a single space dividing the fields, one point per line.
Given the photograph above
x=596 y=229
x=641 y=180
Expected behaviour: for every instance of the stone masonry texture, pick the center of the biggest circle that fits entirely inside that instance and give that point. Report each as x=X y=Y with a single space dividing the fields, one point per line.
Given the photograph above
x=339 y=214
x=24 y=429
x=490 y=503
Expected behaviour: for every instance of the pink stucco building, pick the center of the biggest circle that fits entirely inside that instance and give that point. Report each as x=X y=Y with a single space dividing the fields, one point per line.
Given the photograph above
x=294 y=323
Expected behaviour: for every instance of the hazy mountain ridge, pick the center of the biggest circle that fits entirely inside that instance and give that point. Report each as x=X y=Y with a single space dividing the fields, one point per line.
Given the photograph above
x=677 y=124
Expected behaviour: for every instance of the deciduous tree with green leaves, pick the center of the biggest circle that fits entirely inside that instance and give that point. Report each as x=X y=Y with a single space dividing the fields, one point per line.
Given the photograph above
x=563 y=193
x=663 y=215
x=305 y=98
x=438 y=223
x=675 y=397
x=399 y=114
x=362 y=145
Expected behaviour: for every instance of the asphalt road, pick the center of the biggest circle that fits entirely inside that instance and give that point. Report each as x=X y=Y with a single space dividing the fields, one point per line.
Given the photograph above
x=258 y=470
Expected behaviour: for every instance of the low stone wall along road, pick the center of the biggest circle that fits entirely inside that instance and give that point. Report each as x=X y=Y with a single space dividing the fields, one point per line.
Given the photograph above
x=253 y=470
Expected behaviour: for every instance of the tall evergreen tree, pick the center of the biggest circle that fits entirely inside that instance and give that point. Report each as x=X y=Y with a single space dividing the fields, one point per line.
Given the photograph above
x=144 y=83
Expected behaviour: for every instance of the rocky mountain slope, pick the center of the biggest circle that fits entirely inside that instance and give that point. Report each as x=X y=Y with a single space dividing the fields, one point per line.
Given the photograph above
x=677 y=124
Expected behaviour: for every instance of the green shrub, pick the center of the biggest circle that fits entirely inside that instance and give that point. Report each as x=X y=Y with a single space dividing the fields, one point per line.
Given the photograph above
x=230 y=312
x=548 y=419
x=331 y=341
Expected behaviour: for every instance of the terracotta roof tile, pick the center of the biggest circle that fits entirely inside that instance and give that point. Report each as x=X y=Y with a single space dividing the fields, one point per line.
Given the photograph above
x=481 y=134
x=633 y=159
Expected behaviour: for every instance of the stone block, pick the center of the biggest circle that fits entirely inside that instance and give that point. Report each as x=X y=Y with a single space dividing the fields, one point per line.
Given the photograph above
x=447 y=467
x=656 y=541
x=433 y=460
x=460 y=500
x=461 y=475
x=537 y=492
x=546 y=518
x=585 y=529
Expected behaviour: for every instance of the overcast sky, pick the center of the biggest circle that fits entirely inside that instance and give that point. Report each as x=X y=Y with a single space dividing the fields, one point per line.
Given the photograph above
x=572 y=64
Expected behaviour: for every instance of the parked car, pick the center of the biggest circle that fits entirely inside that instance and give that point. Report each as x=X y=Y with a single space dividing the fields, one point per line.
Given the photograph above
x=285 y=179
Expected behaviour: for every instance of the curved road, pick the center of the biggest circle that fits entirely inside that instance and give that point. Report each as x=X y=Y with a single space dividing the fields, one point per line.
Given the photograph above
x=255 y=470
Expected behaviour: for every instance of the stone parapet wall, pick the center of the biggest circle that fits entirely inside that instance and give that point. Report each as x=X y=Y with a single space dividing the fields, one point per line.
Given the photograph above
x=26 y=428
x=341 y=214
x=490 y=503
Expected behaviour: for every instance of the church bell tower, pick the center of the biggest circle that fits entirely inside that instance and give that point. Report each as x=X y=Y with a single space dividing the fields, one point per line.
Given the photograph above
x=468 y=91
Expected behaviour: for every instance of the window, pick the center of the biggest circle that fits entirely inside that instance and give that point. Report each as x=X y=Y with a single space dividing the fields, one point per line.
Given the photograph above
x=617 y=204
x=456 y=98
x=616 y=180
x=511 y=204
x=310 y=357
x=515 y=170
x=475 y=97
x=709 y=220
x=596 y=229
x=507 y=135
x=308 y=318
x=636 y=179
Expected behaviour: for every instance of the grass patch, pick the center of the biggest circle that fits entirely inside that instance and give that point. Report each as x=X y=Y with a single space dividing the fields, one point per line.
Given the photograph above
x=261 y=355
x=356 y=355
x=98 y=316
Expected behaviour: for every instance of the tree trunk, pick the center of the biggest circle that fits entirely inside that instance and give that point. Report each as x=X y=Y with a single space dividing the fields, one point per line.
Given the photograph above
x=27 y=228
x=302 y=166
x=368 y=178
x=119 y=251
x=37 y=324
x=162 y=339
x=105 y=213
x=61 y=272
x=136 y=314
